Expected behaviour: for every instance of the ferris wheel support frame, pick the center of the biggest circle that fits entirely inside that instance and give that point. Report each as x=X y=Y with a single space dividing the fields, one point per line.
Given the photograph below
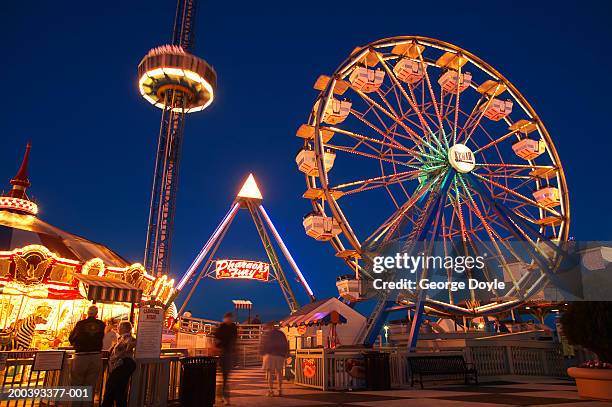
x=379 y=317
x=420 y=304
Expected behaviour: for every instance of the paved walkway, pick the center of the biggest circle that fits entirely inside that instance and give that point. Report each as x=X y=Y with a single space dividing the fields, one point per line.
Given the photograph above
x=249 y=389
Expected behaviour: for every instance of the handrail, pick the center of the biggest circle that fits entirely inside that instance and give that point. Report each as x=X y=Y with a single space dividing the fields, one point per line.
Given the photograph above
x=145 y=389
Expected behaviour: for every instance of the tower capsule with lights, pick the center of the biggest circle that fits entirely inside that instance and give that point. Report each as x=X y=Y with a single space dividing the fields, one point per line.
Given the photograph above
x=177 y=82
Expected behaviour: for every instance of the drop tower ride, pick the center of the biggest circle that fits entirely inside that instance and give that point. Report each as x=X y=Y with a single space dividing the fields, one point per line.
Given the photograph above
x=177 y=82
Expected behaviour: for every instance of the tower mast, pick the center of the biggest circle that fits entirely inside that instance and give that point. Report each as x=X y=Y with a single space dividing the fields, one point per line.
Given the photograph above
x=177 y=82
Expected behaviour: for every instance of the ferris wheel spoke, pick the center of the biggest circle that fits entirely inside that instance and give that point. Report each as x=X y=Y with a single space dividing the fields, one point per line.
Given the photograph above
x=411 y=100
x=499 y=140
x=459 y=212
x=407 y=157
x=509 y=176
x=469 y=120
x=492 y=217
x=490 y=232
x=463 y=233
x=526 y=217
x=382 y=97
x=511 y=219
x=521 y=196
x=396 y=120
x=519 y=181
x=368 y=155
x=429 y=135
x=518 y=166
x=398 y=100
x=395 y=171
x=472 y=241
x=395 y=202
x=385 y=134
x=438 y=137
x=433 y=99
x=457 y=97
x=377 y=182
x=400 y=213
x=535 y=251
x=394 y=144
x=376 y=112
x=473 y=126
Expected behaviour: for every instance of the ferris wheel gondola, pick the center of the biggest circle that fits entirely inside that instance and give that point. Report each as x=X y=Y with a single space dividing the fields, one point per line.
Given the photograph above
x=431 y=143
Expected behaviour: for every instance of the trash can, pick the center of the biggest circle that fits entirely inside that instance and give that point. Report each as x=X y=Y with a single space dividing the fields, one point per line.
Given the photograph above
x=198 y=381
x=377 y=370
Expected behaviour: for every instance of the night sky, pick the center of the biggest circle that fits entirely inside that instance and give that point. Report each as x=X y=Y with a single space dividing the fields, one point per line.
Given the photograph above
x=68 y=74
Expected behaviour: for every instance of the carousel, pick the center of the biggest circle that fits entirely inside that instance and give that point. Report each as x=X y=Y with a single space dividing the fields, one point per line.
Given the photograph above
x=48 y=277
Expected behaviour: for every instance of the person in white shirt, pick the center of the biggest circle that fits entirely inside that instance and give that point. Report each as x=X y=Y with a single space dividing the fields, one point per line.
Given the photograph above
x=110 y=335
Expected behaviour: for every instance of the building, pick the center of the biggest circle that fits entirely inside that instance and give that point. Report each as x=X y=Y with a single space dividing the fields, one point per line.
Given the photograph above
x=48 y=277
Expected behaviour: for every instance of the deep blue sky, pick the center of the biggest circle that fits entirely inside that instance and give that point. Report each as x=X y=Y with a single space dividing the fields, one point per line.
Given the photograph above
x=69 y=85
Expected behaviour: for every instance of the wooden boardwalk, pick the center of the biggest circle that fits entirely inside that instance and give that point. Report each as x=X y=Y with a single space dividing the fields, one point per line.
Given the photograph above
x=249 y=389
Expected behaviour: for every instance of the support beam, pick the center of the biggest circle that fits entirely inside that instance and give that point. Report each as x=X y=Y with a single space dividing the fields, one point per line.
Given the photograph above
x=434 y=215
x=512 y=220
x=206 y=248
x=278 y=270
x=287 y=254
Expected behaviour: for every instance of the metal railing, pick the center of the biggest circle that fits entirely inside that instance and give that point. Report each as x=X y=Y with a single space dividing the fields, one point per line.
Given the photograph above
x=145 y=388
x=494 y=357
x=247 y=347
x=341 y=369
x=201 y=342
x=197 y=325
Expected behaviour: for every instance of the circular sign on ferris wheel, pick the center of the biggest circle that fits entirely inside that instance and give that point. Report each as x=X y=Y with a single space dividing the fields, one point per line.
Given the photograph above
x=461 y=158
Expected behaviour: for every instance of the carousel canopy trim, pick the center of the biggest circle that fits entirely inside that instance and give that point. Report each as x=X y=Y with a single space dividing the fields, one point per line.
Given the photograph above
x=315 y=318
x=104 y=289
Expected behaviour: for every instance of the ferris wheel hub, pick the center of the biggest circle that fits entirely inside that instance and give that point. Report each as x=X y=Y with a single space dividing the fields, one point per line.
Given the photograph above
x=461 y=158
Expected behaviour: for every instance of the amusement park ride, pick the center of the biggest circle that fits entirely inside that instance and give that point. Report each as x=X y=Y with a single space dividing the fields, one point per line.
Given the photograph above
x=461 y=157
x=174 y=80
x=177 y=82
x=248 y=198
x=454 y=149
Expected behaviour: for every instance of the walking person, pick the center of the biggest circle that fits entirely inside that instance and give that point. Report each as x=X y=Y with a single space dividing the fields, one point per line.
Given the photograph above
x=121 y=365
x=226 y=336
x=274 y=350
x=86 y=338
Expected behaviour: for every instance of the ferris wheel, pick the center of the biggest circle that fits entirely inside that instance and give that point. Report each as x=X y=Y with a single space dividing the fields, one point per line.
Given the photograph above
x=413 y=139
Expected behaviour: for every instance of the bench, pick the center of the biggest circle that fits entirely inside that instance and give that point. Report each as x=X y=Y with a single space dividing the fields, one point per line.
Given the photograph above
x=453 y=365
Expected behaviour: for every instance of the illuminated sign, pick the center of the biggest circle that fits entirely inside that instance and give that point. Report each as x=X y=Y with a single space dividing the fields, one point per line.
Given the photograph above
x=242 y=270
x=461 y=158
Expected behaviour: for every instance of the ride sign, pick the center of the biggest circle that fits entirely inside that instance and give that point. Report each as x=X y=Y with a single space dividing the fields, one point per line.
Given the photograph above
x=242 y=270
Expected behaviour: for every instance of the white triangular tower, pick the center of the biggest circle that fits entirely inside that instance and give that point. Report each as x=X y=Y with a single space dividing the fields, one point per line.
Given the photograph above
x=250 y=190
x=249 y=198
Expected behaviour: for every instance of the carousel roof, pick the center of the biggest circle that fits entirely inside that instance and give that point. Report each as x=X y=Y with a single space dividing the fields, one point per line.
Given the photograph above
x=19 y=227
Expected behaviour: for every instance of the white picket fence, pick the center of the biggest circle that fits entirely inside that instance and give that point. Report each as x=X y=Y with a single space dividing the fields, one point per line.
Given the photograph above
x=330 y=369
